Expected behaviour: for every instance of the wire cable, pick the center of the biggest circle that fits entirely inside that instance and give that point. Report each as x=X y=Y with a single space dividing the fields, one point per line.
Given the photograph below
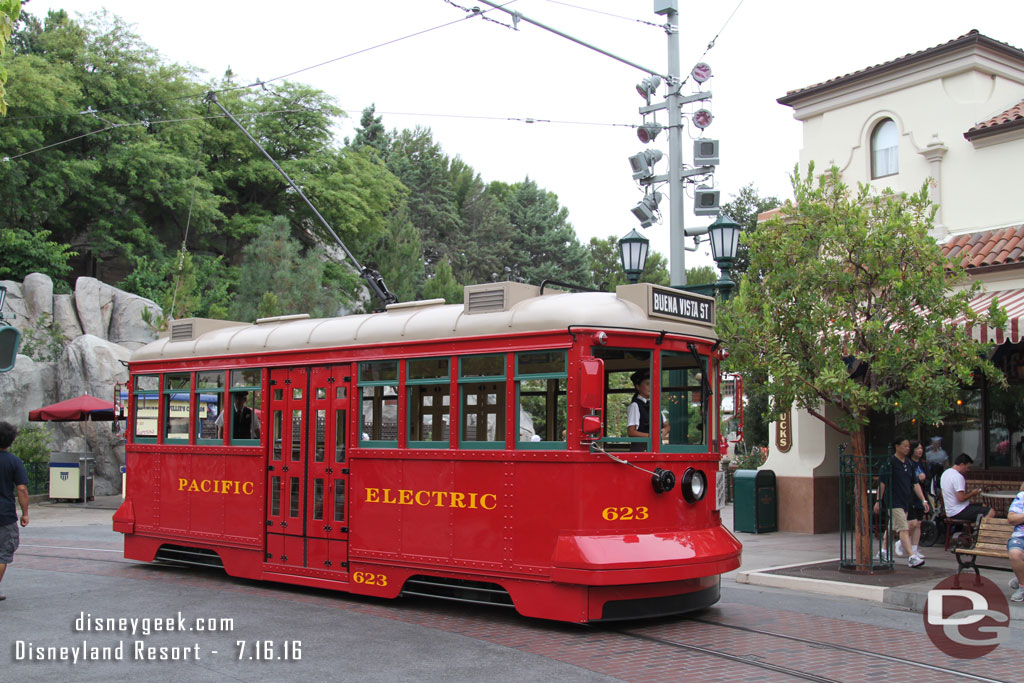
x=607 y=14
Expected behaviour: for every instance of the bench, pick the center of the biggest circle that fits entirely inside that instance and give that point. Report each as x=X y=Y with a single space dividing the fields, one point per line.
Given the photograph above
x=988 y=541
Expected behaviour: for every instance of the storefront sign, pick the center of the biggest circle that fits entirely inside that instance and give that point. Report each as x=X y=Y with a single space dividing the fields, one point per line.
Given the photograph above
x=783 y=432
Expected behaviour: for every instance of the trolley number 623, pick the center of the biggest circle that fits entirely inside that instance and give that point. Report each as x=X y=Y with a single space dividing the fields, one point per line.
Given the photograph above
x=370 y=579
x=625 y=514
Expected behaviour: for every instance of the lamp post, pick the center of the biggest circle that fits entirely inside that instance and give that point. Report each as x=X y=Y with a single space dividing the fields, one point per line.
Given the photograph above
x=633 y=251
x=724 y=234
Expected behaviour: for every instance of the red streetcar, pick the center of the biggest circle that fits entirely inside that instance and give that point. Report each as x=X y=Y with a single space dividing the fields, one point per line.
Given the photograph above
x=474 y=452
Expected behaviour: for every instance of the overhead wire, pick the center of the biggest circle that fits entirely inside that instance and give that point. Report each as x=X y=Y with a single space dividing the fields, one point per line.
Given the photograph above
x=608 y=14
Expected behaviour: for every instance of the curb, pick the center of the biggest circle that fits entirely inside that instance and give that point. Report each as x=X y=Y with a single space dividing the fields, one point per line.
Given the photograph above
x=763 y=577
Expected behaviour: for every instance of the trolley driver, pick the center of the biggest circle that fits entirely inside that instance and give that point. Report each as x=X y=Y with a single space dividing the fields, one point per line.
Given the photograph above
x=638 y=417
x=245 y=424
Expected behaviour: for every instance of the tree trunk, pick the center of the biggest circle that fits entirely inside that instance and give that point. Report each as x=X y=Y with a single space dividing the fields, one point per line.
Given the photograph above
x=861 y=501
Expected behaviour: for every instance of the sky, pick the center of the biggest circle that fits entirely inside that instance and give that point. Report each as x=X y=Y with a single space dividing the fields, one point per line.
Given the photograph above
x=475 y=68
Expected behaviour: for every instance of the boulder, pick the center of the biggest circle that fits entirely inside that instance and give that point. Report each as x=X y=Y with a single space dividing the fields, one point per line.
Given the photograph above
x=94 y=301
x=38 y=292
x=66 y=317
x=29 y=385
x=127 y=326
x=15 y=312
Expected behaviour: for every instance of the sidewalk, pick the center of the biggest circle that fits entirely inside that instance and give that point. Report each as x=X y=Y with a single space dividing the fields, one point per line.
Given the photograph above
x=810 y=563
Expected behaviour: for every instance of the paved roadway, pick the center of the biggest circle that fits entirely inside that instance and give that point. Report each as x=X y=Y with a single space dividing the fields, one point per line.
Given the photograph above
x=350 y=638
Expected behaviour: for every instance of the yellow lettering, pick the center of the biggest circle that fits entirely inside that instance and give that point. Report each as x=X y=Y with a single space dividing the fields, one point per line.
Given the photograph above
x=192 y=487
x=472 y=501
x=404 y=497
x=236 y=487
x=387 y=497
x=205 y=486
x=182 y=483
x=420 y=493
x=247 y=488
x=458 y=500
x=440 y=498
x=372 y=495
x=483 y=501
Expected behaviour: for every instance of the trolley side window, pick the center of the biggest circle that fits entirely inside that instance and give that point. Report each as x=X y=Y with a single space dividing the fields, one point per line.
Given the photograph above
x=428 y=385
x=177 y=406
x=541 y=379
x=482 y=391
x=378 y=403
x=209 y=405
x=685 y=397
x=620 y=366
x=242 y=416
x=146 y=408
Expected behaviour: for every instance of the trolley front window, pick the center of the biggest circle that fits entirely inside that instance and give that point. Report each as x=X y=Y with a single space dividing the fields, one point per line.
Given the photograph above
x=621 y=367
x=685 y=397
x=146 y=408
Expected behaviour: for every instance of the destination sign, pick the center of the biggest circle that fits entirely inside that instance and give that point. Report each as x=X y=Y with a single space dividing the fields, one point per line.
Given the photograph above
x=671 y=303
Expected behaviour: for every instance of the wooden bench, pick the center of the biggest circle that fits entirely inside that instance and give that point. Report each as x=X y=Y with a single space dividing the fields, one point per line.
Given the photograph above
x=988 y=541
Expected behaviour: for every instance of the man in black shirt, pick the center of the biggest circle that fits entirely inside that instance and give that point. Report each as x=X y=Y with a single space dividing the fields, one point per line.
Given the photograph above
x=13 y=481
x=904 y=484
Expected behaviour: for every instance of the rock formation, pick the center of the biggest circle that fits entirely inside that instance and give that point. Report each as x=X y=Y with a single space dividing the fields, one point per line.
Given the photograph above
x=72 y=345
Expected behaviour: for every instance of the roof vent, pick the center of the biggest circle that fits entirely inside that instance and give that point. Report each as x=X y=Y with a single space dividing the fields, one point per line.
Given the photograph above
x=497 y=296
x=181 y=331
x=485 y=301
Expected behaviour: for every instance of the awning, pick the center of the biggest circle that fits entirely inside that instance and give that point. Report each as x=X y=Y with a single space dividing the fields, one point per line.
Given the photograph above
x=1010 y=299
x=74 y=410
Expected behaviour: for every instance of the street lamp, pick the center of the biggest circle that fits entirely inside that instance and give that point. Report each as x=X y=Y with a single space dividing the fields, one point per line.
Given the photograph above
x=724 y=234
x=633 y=250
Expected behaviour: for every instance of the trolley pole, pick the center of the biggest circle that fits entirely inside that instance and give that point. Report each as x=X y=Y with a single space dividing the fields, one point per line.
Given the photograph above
x=677 y=244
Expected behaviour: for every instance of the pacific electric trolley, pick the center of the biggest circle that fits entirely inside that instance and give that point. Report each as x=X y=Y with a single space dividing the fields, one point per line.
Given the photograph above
x=474 y=452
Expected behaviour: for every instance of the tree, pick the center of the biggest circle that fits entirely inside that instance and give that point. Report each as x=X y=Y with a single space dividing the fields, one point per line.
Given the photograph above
x=25 y=252
x=9 y=11
x=744 y=208
x=852 y=314
x=701 y=275
x=544 y=244
x=442 y=285
x=371 y=133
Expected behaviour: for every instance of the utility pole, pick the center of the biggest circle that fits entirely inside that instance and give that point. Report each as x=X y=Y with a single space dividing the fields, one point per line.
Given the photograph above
x=677 y=244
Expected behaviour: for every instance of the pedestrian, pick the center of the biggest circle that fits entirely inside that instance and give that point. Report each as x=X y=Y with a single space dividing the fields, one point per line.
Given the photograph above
x=1015 y=546
x=904 y=485
x=956 y=498
x=13 y=482
x=916 y=514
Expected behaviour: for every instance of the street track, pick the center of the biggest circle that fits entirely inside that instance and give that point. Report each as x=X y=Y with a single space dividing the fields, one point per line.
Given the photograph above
x=679 y=638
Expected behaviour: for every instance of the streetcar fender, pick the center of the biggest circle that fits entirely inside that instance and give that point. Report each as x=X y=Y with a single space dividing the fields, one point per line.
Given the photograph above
x=124 y=518
x=646 y=551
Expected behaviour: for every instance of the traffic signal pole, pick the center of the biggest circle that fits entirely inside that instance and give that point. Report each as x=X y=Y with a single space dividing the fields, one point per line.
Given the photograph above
x=677 y=244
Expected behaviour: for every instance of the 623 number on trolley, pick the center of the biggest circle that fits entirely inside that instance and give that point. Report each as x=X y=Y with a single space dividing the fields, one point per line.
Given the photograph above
x=625 y=514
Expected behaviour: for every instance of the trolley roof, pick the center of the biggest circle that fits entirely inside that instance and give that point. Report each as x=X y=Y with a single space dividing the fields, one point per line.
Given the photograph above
x=492 y=309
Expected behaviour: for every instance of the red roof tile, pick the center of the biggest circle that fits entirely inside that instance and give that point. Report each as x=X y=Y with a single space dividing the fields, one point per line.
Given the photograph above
x=1000 y=247
x=971 y=37
x=1007 y=120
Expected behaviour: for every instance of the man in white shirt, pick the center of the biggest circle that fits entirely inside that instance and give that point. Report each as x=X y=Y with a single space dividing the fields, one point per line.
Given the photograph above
x=955 y=496
x=638 y=416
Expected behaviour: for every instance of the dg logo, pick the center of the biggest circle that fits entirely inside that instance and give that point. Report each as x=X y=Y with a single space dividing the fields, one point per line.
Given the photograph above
x=968 y=621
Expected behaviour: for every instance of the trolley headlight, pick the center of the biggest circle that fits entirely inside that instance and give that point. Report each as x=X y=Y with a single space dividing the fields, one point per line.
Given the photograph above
x=694 y=485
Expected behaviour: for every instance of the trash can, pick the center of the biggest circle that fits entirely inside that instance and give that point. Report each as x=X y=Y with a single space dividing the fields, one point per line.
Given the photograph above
x=755 y=509
x=72 y=476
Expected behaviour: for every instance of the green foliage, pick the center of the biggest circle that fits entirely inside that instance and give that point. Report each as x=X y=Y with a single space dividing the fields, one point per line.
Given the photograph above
x=701 y=275
x=371 y=133
x=32 y=445
x=744 y=208
x=273 y=263
x=606 y=265
x=751 y=458
x=544 y=243
x=25 y=252
x=442 y=285
x=853 y=308
x=43 y=341
x=9 y=11
x=398 y=257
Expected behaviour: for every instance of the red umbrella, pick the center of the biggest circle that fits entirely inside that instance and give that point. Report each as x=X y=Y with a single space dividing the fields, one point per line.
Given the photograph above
x=74 y=410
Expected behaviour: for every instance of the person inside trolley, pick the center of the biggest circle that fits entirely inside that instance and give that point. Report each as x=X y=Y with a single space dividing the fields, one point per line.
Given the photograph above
x=245 y=423
x=638 y=417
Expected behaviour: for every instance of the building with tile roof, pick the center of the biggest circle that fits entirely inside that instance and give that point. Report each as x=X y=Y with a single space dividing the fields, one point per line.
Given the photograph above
x=951 y=116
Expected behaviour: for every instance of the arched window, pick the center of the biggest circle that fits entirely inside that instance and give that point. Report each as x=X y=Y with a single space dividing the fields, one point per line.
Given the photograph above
x=885 y=148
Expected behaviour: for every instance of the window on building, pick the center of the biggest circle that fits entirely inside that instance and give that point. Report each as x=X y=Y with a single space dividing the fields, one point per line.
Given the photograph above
x=428 y=383
x=482 y=407
x=885 y=149
x=541 y=389
x=378 y=411
x=147 y=401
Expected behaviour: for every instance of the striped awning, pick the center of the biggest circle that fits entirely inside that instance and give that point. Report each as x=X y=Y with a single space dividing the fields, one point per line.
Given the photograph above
x=1010 y=299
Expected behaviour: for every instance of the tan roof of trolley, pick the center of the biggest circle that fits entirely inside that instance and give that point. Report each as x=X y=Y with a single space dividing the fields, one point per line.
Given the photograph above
x=490 y=309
